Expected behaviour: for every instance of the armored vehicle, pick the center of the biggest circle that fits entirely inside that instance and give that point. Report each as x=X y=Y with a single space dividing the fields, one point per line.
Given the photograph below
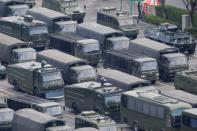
x=170 y=61
x=73 y=69
x=56 y=21
x=14 y=50
x=76 y=45
x=96 y=120
x=6 y=117
x=182 y=96
x=42 y=105
x=39 y=79
x=187 y=81
x=189 y=120
x=31 y=120
x=108 y=38
x=133 y=63
x=68 y=7
x=27 y=29
x=120 y=79
x=12 y=8
x=2 y=71
x=120 y=20
x=171 y=35
x=142 y=109
x=101 y=97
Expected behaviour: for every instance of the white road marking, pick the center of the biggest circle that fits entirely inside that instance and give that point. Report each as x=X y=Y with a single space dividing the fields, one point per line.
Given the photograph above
x=6 y=92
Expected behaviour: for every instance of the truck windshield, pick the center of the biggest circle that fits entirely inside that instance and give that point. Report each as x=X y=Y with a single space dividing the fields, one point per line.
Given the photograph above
x=51 y=76
x=54 y=110
x=112 y=99
x=125 y=21
x=6 y=116
x=26 y=56
x=108 y=128
x=124 y=44
x=90 y=47
x=67 y=26
x=38 y=30
x=17 y=10
x=70 y=3
x=86 y=74
x=174 y=61
x=146 y=66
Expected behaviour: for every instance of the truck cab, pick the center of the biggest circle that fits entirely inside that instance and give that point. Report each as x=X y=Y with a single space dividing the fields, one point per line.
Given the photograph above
x=12 y=8
x=117 y=43
x=68 y=7
x=6 y=117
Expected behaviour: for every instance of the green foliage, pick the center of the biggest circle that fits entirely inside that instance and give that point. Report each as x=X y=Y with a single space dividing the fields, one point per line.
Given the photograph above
x=155 y=20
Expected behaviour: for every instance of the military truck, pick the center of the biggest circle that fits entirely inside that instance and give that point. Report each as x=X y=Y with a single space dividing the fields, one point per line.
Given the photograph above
x=56 y=21
x=12 y=8
x=6 y=117
x=101 y=97
x=2 y=71
x=42 y=105
x=74 y=70
x=170 y=61
x=108 y=38
x=38 y=79
x=120 y=79
x=96 y=120
x=36 y=121
x=76 y=45
x=25 y=28
x=171 y=35
x=118 y=19
x=30 y=3
x=142 y=109
x=186 y=81
x=14 y=50
x=189 y=120
x=132 y=63
x=68 y=7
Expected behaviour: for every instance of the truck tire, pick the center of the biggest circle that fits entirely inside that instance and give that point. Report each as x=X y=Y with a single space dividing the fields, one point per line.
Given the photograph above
x=15 y=84
x=75 y=108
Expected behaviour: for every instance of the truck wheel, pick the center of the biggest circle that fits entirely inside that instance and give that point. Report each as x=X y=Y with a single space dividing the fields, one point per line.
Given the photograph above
x=15 y=84
x=36 y=92
x=75 y=108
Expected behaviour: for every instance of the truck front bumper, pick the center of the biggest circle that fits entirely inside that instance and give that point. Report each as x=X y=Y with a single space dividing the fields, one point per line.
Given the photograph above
x=54 y=94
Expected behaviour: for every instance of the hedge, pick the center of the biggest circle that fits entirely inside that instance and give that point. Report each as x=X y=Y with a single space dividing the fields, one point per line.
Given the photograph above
x=155 y=20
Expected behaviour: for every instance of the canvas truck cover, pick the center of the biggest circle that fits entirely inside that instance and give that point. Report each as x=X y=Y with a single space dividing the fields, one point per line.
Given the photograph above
x=121 y=79
x=31 y=120
x=150 y=48
x=7 y=43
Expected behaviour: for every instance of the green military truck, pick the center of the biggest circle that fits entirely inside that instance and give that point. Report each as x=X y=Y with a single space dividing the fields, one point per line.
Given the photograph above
x=170 y=61
x=151 y=111
x=39 y=79
x=25 y=28
x=74 y=70
x=96 y=120
x=189 y=120
x=132 y=63
x=187 y=81
x=15 y=51
x=76 y=45
x=12 y=8
x=67 y=7
x=6 y=117
x=56 y=21
x=118 y=19
x=2 y=71
x=101 y=97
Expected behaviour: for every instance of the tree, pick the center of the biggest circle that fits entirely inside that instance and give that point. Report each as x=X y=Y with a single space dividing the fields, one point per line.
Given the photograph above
x=191 y=6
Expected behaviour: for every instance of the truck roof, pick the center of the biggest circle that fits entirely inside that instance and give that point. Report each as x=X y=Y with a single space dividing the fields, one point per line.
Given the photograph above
x=59 y=56
x=192 y=112
x=96 y=86
x=157 y=98
x=25 y=50
x=150 y=44
x=181 y=95
x=32 y=65
x=32 y=115
x=3 y=110
x=120 y=76
x=8 y=40
x=86 y=129
x=87 y=41
x=83 y=67
x=173 y=55
x=101 y=29
x=20 y=20
x=33 y=100
x=96 y=118
x=72 y=37
x=47 y=12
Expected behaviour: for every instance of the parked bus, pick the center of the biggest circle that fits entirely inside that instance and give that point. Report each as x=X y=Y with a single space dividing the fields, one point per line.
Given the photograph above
x=151 y=111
